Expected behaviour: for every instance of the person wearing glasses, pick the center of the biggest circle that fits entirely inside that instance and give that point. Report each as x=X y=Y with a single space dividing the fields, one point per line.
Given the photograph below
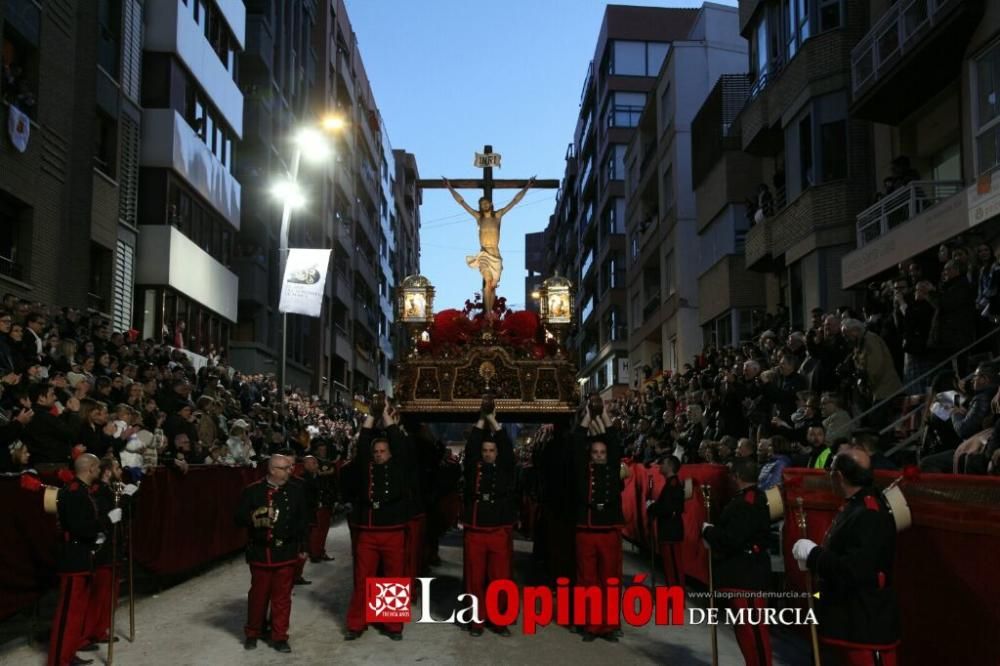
x=273 y=511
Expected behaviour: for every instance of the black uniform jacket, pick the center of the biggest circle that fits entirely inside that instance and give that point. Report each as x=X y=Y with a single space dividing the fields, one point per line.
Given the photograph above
x=282 y=542
x=104 y=498
x=668 y=509
x=739 y=543
x=79 y=525
x=490 y=496
x=598 y=497
x=857 y=603
x=382 y=494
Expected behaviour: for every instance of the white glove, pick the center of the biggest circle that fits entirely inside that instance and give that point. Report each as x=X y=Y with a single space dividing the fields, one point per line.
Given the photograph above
x=705 y=526
x=130 y=489
x=649 y=503
x=801 y=550
x=100 y=538
x=115 y=516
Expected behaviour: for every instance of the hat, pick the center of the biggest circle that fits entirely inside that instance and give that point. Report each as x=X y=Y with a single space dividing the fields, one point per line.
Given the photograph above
x=75 y=378
x=239 y=423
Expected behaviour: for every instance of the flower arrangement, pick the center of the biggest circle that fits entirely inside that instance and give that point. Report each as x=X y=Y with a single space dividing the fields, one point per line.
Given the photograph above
x=518 y=330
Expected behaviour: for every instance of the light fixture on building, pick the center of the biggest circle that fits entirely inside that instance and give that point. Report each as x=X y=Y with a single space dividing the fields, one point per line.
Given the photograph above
x=556 y=307
x=416 y=307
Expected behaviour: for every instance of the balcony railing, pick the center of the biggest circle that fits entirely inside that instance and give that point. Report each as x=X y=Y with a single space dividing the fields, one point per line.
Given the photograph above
x=902 y=27
x=624 y=116
x=903 y=205
x=571 y=152
x=12 y=269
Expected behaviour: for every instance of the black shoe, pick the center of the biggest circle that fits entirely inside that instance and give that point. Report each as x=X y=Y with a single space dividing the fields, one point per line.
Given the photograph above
x=90 y=647
x=302 y=581
x=105 y=640
x=352 y=635
x=611 y=638
x=618 y=633
x=475 y=632
x=395 y=635
x=315 y=560
x=282 y=646
x=327 y=558
x=588 y=637
x=501 y=631
x=78 y=661
x=250 y=644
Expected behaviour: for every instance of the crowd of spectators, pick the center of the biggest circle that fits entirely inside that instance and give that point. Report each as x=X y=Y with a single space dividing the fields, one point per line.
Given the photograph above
x=69 y=384
x=793 y=396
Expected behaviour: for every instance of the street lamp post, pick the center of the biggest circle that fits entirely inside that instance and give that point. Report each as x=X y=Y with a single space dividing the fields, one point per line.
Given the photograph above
x=312 y=144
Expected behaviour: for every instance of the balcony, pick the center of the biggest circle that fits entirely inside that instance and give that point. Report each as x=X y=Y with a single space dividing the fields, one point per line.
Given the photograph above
x=260 y=47
x=902 y=206
x=912 y=52
x=343 y=342
x=904 y=224
x=166 y=257
x=168 y=142
x=622 y=115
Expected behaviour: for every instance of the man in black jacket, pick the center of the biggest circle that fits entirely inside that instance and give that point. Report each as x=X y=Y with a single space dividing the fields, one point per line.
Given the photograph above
x=857 y=612
x=50 y=437
x=742 y=566
x=78 y=521
x=274 y=513
x=490 y=507
x=383 y=476
x=668 y=510
x=598 y=508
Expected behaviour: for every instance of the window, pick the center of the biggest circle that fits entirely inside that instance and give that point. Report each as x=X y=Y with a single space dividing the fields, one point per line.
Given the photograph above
x=123 y=278
x=19 y=83
x=15 y=237
x=833 y=150
x=668 y=189
x=109 y=35
x=100 y=278
x=668 y=272
x=625 y=109
x=616 y=216
x=106 y=145
x=987 y=105
x=830 y=14
x=616 y=162
x=805 y=153
x=628 y=58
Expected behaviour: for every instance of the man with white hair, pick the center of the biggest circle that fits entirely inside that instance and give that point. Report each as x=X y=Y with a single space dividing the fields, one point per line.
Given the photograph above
x=274 y=513
x=873 y=360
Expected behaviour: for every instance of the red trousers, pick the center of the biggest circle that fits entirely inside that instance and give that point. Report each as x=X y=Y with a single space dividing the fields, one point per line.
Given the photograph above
x=373 y=548
x=598 y=558
x=270 y=584
x=99 y=609
x=673 y=562
x=489 y=552
x=856 y=655
x=317 y=536
x=66 y=636
x=414 y=544
x=754 y=639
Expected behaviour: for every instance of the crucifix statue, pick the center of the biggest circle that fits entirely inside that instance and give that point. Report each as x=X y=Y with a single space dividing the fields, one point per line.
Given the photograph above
x=488 y=261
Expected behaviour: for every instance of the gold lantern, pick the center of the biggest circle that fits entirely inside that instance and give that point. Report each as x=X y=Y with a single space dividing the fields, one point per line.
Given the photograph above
x=416 y=305
x=556 y=307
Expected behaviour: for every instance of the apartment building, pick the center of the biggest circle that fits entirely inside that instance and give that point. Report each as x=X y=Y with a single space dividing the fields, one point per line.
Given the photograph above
x=670 y=243
x=586 y=236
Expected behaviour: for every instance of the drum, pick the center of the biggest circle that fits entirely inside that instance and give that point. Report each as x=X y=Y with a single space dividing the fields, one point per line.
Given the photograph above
x=50 y=499
x=775 y=505
x=688 y=489
x=896 y=500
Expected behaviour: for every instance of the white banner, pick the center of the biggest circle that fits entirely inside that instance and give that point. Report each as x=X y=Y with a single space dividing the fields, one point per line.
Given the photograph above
x=484 y=160
x=18 y=128
x=304 y=282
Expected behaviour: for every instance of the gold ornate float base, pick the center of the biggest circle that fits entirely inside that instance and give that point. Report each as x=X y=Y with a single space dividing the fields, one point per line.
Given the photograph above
x=439 y=388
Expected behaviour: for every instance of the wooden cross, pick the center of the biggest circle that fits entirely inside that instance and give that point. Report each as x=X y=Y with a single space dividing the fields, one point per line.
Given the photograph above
x=487 y=183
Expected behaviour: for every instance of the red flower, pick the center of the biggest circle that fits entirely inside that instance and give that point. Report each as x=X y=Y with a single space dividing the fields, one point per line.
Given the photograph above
x=65 y=475
x=520 y=326
x=911 y=473
x=31 y=482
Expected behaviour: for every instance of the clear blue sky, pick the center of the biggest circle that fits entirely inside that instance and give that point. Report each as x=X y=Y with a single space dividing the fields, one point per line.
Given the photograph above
x=452 y=75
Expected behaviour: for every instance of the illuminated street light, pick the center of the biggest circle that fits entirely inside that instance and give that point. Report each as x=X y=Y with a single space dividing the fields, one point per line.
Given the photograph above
x=288 y=192
x=312 y=144
x=333 y=122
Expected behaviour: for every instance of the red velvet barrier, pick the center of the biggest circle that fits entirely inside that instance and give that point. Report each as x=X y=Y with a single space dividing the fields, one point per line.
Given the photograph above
x=637 y=491
x=182 y=522
x=946 y=572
